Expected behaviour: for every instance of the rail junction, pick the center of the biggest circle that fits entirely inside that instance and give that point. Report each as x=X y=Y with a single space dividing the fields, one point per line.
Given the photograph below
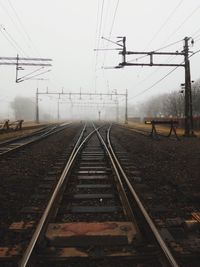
x=85 y=210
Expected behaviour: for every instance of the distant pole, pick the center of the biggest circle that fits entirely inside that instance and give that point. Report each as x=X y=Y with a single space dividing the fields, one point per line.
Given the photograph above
x=190 y=103
x=17 y=68
x=58 y=110
x=117 y=111
x=126 y=107
x=99 y=115
x=187 y=96
x=37 y=108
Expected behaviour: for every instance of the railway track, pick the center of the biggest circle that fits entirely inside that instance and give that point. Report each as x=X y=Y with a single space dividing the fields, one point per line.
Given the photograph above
x=17 y=143
x=93 y=217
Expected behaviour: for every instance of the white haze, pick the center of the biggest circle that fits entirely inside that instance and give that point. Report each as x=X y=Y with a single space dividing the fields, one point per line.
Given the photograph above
x=68 y=31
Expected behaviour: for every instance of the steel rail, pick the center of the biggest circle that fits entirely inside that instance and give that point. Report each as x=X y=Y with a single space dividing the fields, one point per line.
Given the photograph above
x=12 y=140
x=164 y=248
x=123 y=195
x=51 y=131
x=43 y=220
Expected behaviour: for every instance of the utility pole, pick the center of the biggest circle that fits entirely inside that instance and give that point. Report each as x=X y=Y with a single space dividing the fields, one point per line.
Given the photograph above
x=186 y=64
x=187 y=88
x=37 y=108
x=189 y=127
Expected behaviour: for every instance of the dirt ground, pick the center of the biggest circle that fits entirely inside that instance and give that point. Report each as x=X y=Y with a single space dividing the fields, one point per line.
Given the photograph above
x=169 y=183
x=27 y=128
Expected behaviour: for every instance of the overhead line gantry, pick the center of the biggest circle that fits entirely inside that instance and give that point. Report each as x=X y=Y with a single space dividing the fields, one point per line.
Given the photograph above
x=19 y=62
x=80 y=94
x=189 y=131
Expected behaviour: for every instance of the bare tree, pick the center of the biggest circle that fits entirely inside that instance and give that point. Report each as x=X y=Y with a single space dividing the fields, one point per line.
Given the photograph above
x=24 y=108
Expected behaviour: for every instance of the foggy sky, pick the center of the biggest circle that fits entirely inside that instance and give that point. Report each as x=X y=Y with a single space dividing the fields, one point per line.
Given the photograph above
x=69 y=31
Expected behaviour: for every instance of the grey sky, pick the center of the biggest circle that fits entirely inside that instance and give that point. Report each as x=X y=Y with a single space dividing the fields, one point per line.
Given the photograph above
x=68 y=31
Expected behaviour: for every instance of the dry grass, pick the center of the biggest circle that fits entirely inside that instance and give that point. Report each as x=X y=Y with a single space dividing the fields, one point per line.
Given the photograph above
x=159 y=128
x=27 y=128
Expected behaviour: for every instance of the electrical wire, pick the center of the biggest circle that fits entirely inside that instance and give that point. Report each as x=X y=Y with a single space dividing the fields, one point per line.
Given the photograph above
x=10 y=40
x=196 y=41
x=30 y=73
x=22 y=26
x=36 y=75
x=96 y=39
x=194 y=53
x=193 y=35
x=111 y=29
x=147 y=89
x=15 y=42
x=184 y=21
x=165 y=22
x=163 y=25
x=155 y=71
x=99 y=32
x=166 y=46
x=7 y=38
x=107 y=9
x=114 y=17
x=12 y=20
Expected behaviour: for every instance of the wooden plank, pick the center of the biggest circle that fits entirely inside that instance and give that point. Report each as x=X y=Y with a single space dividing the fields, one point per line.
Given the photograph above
x=92 y=177
x=94 y=186
x=10 y=252
x=94 y=209
x=56 y=254
x=21 y=226
x=93 y=196
x=92 y=233
x=92 y=172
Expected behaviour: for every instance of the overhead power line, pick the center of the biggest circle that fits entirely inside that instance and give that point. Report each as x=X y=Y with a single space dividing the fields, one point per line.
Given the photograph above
x=111 y=29
x=183 y=22
x=22 y=26
x=114 y=16
x=164 y=23
x=99 y=32
x=13 y=21
x=161 y=79
x=147 y=89
x=193 y=35
x=161 y=48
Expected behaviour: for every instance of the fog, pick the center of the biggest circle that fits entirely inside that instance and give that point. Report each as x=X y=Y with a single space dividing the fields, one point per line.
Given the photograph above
x=68 y=32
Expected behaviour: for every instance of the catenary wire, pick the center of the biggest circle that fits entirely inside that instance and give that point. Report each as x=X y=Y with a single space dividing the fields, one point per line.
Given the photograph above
x=98 y=41
x=183 y=22
x=10 y=40
x=12 y=20
x=147 y=89
x=161 y=48
x=111 y=29
x=22 y=26
x=165 y=22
